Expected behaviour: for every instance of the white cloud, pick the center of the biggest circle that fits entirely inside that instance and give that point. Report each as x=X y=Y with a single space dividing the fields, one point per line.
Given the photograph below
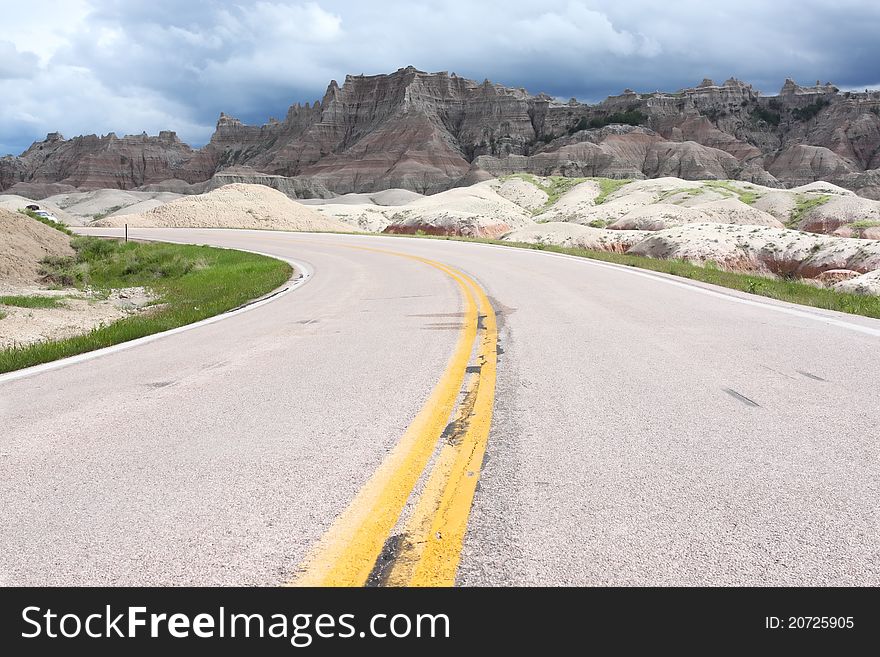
x=132 y=65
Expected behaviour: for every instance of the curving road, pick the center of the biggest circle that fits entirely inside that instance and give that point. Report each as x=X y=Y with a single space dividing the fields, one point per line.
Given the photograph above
x=644 y=430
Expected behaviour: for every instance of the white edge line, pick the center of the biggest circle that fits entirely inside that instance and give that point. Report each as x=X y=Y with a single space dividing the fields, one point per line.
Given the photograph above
x=659 y=276
x=305 y=276
x=669 y=279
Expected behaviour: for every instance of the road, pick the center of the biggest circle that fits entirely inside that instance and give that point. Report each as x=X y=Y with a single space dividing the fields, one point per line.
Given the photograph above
x=639 y=430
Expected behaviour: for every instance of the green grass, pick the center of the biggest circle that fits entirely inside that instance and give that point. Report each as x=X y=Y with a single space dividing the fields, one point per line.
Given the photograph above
x=191 y=283
x=792 y=291
x=30 y=301
x=803 y=205
x=810 y=111
x=767 y=115
x=106 y=213
x=859 y=226
x=864 y=223
x=556 y=186
x=607 y=186
x=54 y=224
x=746 y=196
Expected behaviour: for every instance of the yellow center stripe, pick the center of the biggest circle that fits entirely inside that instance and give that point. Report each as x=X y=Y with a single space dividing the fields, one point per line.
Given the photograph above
x=435 y=531
x=347 y=553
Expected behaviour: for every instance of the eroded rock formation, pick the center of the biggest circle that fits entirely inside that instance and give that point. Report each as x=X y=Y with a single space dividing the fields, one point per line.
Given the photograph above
x=428 y=132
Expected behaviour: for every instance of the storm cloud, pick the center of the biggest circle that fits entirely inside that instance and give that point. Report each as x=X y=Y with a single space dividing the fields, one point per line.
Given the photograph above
x=86 y=66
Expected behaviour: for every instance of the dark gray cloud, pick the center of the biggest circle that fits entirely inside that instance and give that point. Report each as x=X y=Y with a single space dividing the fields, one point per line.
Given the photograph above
x=131 y=65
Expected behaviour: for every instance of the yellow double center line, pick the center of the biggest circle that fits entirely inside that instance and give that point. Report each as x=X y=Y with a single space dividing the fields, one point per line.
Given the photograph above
x=430 y=547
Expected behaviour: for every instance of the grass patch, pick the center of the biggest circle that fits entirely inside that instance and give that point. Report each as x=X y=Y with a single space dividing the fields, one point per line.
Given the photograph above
x=744 y=195
x=191 y=283
x=860 y=226
x=803 y=205
x=810 y=111
x=865 y=223
x=553 y=186
x=768 y=116
x=607 y=186
x=556 y=186
x=792 y=291
x=106 y=213
x=53 y=224
x=34 y=301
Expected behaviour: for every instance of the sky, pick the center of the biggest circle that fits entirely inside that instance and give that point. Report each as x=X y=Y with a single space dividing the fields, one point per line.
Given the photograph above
x=128 y=66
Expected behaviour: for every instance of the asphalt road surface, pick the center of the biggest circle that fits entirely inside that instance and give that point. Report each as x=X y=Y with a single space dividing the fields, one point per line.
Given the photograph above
x=644 y=430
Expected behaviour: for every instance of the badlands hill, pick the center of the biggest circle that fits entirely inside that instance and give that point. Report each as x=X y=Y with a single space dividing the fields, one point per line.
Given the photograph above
x=429 y=132
x=24 y=242
x=231 y=206
x=819 y=231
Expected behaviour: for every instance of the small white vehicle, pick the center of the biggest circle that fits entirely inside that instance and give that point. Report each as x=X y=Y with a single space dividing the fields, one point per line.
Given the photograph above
x=46 y=215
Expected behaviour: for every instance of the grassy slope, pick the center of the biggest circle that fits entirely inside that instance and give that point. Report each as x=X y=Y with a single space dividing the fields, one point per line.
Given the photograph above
x=803 y=205
x=30 y=301
x=556 y=186
x=192 y=283
x=53 y=224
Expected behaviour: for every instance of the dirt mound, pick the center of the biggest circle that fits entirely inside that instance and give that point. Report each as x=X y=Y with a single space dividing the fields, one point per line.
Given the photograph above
x=761 y=249
x=525 y=194
x=100 y=203
x=232 y=206
x=366 y=216
x=23 y=243
x=564 y=233
x=475 y=211
x=395 y=197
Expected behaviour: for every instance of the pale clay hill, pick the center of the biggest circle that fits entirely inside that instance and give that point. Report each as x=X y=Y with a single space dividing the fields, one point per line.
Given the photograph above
x=817 y=231
x=231 y=206
x=736 y=225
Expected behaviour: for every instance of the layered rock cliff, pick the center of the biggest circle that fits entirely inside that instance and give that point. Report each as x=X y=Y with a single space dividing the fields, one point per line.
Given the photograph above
x=431 y=131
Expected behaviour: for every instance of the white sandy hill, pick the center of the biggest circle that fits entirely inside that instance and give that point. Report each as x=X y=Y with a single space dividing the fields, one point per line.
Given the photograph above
x=13 y=202
x=365 y=217
x=565 y=233
x=474 y=211
x=659 y=216
x=522 y=192
x=839 y=211
x=367 y=212
x=232 y=206
x=103 y=202
x=23 y=243
x=577 y=202
x=761 y=249
x=660 y=203
x=387 y=197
